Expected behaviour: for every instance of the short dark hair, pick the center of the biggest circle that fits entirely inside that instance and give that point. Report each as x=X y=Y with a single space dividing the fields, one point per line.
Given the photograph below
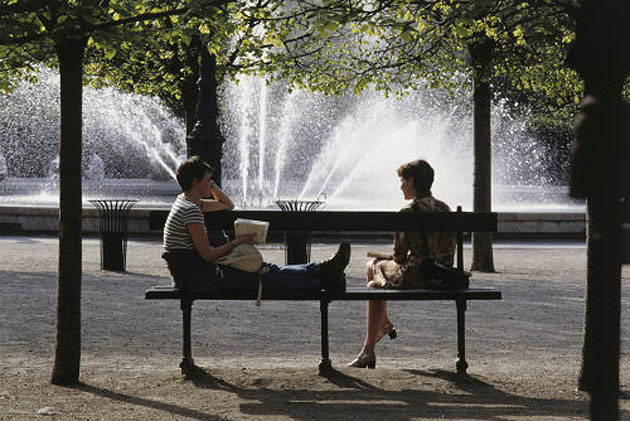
x=194 y=168
x=422 y=174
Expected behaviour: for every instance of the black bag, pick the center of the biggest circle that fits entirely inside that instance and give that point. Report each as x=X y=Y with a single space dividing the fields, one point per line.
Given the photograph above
x=438 y=276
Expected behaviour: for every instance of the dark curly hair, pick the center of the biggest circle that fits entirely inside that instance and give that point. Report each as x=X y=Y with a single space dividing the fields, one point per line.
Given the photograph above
x=194 y=168
x=422 y=174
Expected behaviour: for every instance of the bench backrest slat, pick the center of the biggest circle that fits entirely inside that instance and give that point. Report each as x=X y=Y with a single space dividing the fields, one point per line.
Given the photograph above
x=349 y=221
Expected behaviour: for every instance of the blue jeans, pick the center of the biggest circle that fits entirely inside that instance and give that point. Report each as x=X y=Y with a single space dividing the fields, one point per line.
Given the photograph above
x=202 y=276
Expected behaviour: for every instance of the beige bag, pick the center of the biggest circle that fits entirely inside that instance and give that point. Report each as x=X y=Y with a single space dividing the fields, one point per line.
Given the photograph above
x=244 y=257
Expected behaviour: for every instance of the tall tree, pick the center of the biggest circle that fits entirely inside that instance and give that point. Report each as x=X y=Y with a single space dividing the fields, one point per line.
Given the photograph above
x=55 y=31
x=481 y=50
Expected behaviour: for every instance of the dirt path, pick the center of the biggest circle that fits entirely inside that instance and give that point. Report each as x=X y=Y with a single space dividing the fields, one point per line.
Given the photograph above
x=261 y=363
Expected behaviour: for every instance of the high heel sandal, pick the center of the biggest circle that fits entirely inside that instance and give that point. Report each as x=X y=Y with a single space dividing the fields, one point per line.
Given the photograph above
x=364 y=360
x=388 y=329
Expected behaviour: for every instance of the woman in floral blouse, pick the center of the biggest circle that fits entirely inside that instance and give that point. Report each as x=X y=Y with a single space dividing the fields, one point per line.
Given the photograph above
x=404 y=268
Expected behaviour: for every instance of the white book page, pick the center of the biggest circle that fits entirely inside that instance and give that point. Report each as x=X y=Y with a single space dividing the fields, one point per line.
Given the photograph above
x=250 y=226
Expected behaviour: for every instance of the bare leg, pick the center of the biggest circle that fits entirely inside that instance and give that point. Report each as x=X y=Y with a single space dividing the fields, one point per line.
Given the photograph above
x=376 y=317
x=375 y=321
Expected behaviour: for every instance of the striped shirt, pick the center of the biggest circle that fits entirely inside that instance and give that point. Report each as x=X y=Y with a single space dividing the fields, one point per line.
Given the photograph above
x=176 y=234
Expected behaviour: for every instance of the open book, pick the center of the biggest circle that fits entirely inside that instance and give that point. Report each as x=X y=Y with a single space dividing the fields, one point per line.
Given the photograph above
x=251 y=226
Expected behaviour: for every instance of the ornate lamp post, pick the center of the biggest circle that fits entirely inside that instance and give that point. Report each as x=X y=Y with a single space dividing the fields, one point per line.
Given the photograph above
x=205 y=139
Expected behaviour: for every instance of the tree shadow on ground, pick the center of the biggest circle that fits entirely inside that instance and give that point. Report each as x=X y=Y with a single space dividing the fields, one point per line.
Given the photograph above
x=456 y=397
x=148 y=403
x=459 y=397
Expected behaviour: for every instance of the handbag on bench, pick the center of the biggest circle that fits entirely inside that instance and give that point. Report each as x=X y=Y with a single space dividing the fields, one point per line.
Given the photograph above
x=244 y=257
x=438 y=276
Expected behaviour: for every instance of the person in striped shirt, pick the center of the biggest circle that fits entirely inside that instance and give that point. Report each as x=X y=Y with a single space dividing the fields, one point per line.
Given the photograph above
x=190 y=256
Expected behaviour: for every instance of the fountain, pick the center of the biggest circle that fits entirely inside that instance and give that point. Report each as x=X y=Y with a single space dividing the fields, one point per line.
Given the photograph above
x=291 y=145
x=281 y=145
x=124 y=137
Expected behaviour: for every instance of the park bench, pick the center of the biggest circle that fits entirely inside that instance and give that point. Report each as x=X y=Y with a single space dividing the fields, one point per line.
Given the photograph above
x=307 y=223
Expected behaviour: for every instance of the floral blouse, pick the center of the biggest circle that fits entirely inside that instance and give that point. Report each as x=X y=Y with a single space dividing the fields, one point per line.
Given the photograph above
x=411 y=248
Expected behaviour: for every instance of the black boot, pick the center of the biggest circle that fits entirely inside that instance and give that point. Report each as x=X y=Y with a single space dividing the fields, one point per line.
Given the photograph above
x=331 y=270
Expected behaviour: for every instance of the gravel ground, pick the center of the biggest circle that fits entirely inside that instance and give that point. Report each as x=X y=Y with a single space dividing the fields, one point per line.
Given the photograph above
x=261 y=363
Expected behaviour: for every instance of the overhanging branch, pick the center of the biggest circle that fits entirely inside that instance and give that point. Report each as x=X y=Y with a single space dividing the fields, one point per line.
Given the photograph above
x=22 y=6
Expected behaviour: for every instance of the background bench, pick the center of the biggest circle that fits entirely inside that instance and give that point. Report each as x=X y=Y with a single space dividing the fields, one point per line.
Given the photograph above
x=322 y=221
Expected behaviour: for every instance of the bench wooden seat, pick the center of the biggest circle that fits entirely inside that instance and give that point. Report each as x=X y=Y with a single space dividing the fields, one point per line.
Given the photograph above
x=162 y=292
x=336 y=222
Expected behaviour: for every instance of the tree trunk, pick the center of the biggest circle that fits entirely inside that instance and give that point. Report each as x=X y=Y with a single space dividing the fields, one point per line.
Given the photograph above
x=598 y=159
x=481 y=54
x=598 y=173
x=600 y=353
x=68 y=340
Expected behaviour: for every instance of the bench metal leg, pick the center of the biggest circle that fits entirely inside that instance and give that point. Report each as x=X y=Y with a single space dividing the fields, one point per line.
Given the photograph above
x=325 y=364
x=461 y=363
x=297 y=250
x=187 y=364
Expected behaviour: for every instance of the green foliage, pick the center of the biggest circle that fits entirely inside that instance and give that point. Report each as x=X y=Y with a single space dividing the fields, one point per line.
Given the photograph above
x=143 y=46
x=29 y=30
x=332 y=46
x=162 y=59
x=155 y=61
x=394 y=46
